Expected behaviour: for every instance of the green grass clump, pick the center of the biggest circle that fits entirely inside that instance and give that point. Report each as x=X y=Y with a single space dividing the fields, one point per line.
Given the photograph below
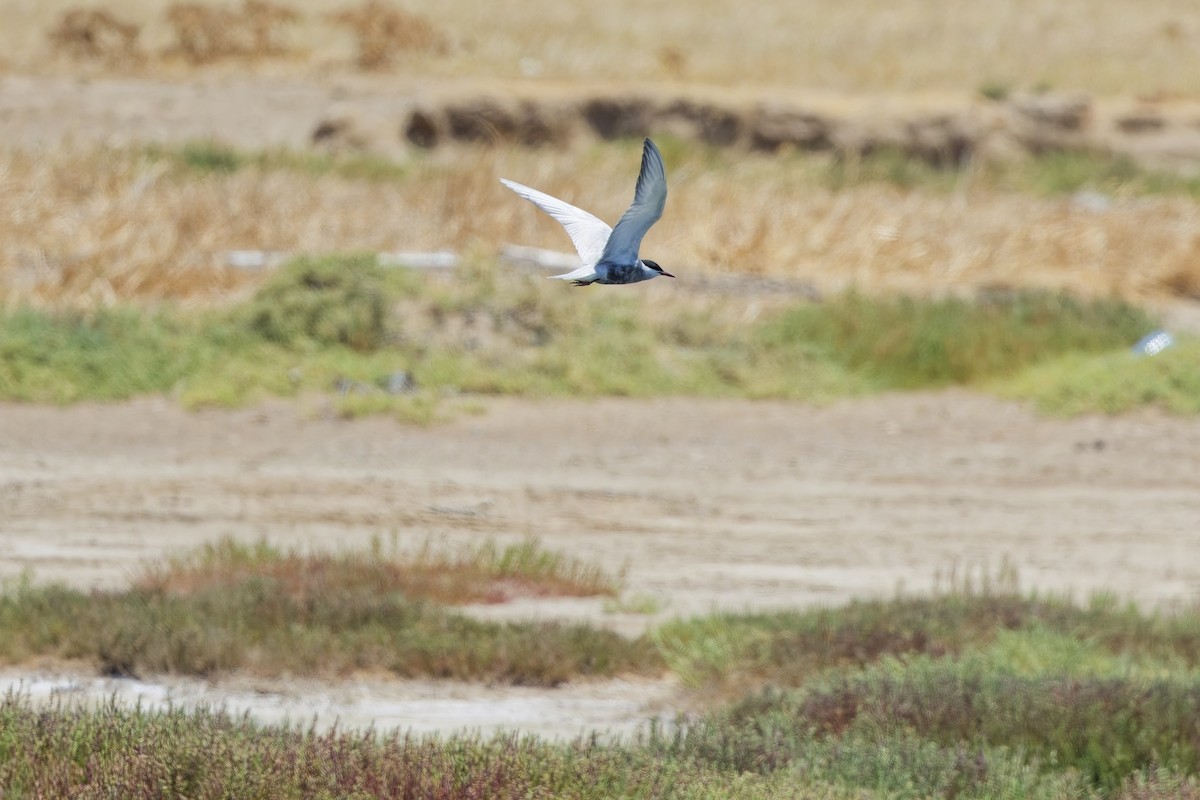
x=905 y=342
x=940 y=727
x=790 y=648
x=325 y=302
x=234 y=607
x=769 y=735
x=1113 y=382
x=1105 y=728
x=995 y=90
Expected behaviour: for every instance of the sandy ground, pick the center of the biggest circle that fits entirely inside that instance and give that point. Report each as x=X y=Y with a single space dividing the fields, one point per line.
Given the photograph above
x=701 y=504
x=247 y=112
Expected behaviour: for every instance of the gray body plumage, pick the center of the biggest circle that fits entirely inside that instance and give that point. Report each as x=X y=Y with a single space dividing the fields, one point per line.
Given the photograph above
x=623 y=273
x=610 y=255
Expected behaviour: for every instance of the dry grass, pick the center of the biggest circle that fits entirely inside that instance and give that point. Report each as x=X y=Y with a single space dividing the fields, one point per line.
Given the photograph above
x=1105 y=46
x=95 y=226
x=384 y=31
x=205 y=33
x=95 y=35
x=266 y=22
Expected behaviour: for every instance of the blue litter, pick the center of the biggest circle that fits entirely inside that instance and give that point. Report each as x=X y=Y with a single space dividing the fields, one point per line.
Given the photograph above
x=1153 y=343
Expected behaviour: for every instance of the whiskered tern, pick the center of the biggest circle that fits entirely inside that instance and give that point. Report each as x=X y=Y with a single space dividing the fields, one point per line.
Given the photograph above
x=610 y=255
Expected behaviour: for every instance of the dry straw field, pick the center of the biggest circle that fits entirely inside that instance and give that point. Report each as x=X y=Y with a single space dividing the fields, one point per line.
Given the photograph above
x=83 y=222
x=1101 y=46
x=106 y=225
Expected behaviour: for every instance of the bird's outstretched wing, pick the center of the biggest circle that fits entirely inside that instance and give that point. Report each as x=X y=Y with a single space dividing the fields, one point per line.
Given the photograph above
x=588 y=234
x=649 y=199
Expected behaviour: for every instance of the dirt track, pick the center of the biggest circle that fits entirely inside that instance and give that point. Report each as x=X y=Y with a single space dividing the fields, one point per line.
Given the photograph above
x=704 y=502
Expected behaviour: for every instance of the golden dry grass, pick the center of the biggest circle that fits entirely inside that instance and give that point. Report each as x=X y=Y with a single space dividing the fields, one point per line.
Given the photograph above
x=94 y=34
x=91 y=225
x=383 y=31
x=1105 y=46
x=205 y=32
x=99 y=225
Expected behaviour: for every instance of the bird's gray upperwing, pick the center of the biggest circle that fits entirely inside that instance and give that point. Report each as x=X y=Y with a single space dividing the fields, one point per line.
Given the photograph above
x=649 y=199
x=588 y=234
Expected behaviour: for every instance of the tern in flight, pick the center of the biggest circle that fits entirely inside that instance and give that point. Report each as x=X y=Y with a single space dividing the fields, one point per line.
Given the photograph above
x=610 y=255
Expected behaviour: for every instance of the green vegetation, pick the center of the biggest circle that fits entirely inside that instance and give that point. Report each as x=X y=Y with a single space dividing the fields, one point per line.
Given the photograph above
x=231 y=607
x=1050 y=173
x=105 y=355
x=791 y=648
x=326 y=303
x=966 y=694
x=393 y=341
x=995 y=90
x=989 y=693
x=903 y=342
x=1113 y=382
x=207 y=157
x=1103 y=730
x=972 y=693
x=70 y=753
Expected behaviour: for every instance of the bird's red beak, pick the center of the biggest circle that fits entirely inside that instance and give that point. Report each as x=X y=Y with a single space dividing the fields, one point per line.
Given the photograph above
x=669 y=275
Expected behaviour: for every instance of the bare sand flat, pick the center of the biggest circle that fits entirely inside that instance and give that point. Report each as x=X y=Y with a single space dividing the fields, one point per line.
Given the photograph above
x=702 y=503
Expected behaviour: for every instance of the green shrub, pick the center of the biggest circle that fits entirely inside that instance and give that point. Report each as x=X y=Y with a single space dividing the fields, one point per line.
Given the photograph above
x=770 y=737
x=324 y=301
x=790 y=647
x=1105 y=728
x=1113 y=382
x=906 y=342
